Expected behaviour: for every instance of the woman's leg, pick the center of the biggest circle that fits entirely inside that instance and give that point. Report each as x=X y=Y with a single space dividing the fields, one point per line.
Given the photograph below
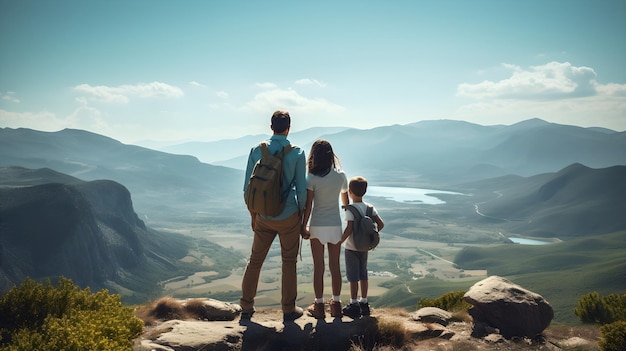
x=317 y=251
x=334 y=253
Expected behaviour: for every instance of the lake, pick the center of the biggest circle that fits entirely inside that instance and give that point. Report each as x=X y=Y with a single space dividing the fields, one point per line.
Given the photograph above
x=408 y=195
x=529 y=241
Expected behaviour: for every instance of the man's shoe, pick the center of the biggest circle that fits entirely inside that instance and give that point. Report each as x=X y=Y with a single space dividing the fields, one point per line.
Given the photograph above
x=335 y=308
x=365 y=308
x=246 y=314
x=316 y=310
x=292 y=316
x=353 y=311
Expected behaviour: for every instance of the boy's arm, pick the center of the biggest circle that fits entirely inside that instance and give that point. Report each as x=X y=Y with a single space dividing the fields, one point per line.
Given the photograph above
x=347 y=231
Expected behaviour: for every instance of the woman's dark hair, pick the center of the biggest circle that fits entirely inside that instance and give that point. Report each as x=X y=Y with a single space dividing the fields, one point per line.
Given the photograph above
x=322 y=158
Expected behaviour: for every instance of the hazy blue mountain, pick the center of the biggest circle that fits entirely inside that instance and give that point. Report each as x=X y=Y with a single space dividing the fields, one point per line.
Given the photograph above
x=440 y=152
x=576 y=201
x=222 y=151
x=445 y=152
x=160 y=182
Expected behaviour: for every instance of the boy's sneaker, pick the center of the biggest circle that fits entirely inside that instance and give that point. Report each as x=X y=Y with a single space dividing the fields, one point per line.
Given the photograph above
x=352 y=310
x=335 y=308
x=246 y=314
x=316 y=310
x=365 y=308
x=292 y=316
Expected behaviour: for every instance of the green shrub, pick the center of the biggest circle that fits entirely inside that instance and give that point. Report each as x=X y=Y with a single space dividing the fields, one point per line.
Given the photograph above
x=593 y=308
x=613 y=336
x=452 y=301
x=610 y=311
x=616 y=305
x=44 y=317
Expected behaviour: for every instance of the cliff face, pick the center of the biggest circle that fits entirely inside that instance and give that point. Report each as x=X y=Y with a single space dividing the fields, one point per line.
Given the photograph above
x=85 y=231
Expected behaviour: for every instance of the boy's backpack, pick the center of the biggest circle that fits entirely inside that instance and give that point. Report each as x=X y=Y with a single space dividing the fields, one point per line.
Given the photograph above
x=264 y=195
x=364 y=231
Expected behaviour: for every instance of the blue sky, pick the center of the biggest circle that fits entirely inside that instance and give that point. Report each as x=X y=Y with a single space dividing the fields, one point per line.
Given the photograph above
x=207 y=70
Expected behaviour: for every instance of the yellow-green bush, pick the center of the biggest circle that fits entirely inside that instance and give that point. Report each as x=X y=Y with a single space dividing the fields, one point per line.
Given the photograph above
x=613 y=336
x=45 y=317
x=610 y=311
x=452 y=301
x=593 y=308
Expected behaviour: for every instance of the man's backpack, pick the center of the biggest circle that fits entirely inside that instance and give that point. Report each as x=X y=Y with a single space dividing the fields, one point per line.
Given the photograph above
x=264 y=195
x=364 y=231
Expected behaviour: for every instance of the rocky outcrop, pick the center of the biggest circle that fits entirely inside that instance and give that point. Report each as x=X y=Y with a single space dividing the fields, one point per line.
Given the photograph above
x=425 y=329
x=267 y=331
x=512 y=310
x=432 y=315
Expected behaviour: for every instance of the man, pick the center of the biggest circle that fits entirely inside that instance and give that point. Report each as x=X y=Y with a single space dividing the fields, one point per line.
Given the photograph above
x=286 y=225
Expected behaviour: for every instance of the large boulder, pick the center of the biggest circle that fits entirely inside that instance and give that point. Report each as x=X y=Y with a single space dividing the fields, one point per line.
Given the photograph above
x=513 y=310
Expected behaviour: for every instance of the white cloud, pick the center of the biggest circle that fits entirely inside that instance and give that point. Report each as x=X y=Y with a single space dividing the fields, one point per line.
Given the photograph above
x=307 y=81
x=612 y=89
x=553 y=80
x=266 y=85
x=10 y=96
x=122 y=94
x=222 y=95
x=556 y=92
x=196 y=84
x=44 y=120
x=290 y=100
x=89 y=117
x=83 y=117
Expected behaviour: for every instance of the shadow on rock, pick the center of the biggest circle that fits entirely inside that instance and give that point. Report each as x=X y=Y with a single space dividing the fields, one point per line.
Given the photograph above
x=258 y=337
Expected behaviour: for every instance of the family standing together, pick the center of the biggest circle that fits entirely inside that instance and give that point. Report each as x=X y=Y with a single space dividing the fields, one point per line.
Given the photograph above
x=310 y=191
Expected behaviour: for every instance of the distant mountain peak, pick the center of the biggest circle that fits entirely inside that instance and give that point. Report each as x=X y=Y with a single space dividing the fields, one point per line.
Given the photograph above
x=532 y=122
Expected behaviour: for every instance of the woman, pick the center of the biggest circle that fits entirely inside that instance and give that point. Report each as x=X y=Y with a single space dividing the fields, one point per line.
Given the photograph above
x=325 y=182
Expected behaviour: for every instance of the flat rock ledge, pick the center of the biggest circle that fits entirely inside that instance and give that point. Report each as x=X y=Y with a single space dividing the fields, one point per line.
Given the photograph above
x=267 y=331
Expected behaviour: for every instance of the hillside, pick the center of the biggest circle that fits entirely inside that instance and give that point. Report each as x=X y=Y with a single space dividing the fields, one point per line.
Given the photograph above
x=162 y=184
x=575 y=201
x=561 y=272
x=55 y=225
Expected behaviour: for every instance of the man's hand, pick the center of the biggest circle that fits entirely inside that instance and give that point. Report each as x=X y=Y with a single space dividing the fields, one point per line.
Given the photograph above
x=304 y=231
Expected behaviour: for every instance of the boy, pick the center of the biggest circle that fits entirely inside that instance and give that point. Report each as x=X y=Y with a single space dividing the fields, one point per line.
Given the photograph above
x=356 y=261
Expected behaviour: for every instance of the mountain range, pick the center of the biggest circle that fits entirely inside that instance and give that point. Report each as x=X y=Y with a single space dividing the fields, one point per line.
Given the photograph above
x=436 y=154
x=66 y=205
x=444 y=152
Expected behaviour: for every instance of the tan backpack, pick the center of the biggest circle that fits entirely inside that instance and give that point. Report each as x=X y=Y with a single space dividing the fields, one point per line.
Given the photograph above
x=264 y=195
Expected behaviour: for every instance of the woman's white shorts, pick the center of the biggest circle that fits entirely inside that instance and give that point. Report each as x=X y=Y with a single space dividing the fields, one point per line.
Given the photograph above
x=326 y=234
